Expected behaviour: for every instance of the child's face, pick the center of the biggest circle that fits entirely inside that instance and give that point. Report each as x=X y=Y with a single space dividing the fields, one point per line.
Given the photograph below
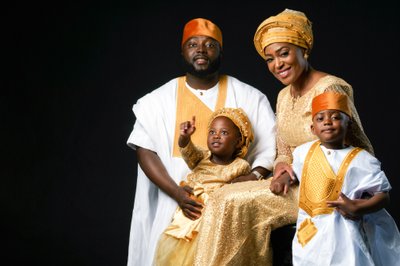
x=223 y=137
x=330 y=126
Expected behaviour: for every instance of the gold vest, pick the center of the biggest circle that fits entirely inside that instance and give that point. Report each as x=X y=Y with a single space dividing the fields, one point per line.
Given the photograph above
x=319 y=184
x=188 y=105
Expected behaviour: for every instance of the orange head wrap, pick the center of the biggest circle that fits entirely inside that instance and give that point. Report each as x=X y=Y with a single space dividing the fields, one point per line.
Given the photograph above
x=289 y=26
x=330 y=100
x=201 y=27
x=240 y=119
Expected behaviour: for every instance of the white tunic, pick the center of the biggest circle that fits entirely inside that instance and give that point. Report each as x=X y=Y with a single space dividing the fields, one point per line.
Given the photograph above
x=374 y=240
x=154 y=130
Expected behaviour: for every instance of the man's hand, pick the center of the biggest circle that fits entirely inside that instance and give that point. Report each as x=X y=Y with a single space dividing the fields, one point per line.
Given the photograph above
x=191 y=208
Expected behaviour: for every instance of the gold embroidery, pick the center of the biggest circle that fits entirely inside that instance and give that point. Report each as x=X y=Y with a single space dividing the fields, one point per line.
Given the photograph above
x=306 y=232
x=319 y=183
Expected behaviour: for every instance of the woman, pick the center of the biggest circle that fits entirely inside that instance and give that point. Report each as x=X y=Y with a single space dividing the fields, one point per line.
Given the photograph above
x=285 y=42
x=239 y=218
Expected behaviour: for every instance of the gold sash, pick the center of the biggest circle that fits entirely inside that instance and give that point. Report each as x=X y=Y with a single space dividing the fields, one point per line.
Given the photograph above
x=319 y=184
x=188 y=104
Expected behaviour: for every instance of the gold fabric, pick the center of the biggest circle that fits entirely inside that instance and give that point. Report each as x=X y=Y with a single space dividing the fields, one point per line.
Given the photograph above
x=173 y=251
x=319 y=183
x=330 y=101
x=205 y=178
x=289 y=26
x=201 y=27
x=240 y=119
x=306 y=231
x=240 y=218
x=294 y=118
x=187 y=105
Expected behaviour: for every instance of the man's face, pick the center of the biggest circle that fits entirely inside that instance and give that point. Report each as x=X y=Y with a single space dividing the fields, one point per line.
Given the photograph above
x=201 y=56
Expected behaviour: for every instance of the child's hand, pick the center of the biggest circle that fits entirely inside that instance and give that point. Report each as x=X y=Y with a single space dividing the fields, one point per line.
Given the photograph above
x=188 y=127
x=186 y=130
x=346 y=207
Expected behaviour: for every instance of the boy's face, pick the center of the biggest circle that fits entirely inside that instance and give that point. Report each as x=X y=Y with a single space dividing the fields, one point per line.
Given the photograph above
x=330 y=126
x=223 y=138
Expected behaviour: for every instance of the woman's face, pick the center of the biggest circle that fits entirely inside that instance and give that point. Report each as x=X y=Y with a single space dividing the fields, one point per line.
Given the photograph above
x=285 y=61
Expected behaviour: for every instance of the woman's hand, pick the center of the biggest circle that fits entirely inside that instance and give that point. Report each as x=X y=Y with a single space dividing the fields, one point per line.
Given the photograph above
x=281 y=168
x=281 y=184
x=282 y=179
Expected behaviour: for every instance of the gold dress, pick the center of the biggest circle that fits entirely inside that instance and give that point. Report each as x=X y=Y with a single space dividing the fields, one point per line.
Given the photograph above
x=176 y=244
x=238 y=220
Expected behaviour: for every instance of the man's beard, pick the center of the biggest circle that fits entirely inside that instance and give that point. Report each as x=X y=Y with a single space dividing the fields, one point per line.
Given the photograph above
x=212 y=68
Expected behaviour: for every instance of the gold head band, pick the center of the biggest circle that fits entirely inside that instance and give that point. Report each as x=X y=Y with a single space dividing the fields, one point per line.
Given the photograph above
x=240 y=119
x=289 y=26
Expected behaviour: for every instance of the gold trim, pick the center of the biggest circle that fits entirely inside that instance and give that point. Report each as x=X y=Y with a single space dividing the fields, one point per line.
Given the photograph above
x=306 y=232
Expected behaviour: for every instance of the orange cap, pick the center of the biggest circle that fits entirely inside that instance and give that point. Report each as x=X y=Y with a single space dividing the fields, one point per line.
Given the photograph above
x=201 y=27
x=330 y=100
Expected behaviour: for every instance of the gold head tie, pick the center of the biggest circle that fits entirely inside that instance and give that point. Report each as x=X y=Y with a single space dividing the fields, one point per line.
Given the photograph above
x=289 y=26
x=240 y=119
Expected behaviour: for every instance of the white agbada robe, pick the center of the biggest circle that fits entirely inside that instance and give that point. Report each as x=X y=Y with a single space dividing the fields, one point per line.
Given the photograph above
x=154 y=130
x=374 y=240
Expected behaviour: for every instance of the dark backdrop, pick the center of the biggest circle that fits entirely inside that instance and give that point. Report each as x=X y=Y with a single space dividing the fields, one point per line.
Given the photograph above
x=73 y=71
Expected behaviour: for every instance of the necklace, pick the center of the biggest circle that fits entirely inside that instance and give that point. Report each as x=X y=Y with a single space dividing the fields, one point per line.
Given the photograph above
x=294 y=96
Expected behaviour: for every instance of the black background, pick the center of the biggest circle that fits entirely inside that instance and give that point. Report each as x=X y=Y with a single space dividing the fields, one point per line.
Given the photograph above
x=72 y=72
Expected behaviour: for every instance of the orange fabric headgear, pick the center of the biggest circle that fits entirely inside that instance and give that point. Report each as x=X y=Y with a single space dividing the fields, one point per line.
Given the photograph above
x=201 y=27
x=330 y=100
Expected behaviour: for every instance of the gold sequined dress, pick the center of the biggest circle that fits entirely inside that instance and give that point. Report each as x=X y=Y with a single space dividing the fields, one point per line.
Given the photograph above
x=238 y=220
x=176 y=245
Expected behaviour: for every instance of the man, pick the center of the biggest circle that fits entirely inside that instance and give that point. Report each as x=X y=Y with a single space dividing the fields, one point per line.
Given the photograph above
x=154 y=137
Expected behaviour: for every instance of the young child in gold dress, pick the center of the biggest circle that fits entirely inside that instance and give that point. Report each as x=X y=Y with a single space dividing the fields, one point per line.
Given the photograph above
x=229 y=136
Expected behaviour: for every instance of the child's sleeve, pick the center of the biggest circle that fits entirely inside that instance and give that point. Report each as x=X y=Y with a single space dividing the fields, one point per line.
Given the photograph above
x=366 y=176
x=192 y=155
